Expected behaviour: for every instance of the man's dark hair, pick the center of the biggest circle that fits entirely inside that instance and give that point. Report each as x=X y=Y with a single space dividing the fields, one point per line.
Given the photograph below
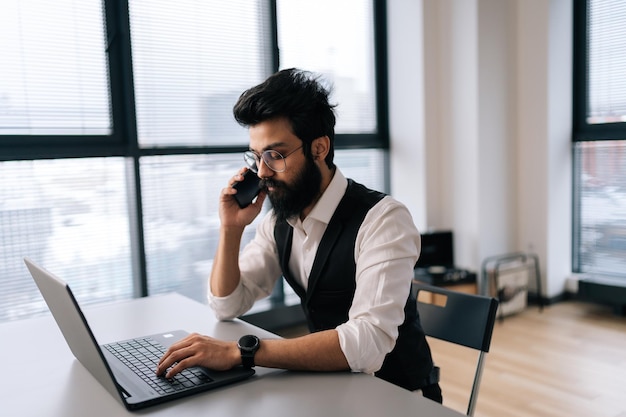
x=296 y=95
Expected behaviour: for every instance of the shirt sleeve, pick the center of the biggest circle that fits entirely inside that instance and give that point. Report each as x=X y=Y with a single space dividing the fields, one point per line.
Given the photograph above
x=259 y=271
x=386 y=250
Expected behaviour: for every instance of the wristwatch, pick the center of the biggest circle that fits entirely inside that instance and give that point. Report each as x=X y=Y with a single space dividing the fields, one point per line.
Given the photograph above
x=248 y=345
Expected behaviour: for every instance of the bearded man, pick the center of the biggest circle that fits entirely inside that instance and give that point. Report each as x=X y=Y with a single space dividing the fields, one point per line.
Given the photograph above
x=347 y=251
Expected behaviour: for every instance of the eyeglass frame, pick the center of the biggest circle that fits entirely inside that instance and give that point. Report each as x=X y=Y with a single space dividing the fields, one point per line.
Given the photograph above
x=258 y=158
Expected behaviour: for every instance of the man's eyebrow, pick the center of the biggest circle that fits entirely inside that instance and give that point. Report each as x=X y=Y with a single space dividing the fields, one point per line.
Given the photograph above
x=270 y=146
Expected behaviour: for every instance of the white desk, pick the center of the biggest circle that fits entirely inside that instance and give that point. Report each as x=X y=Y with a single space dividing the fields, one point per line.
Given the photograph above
x=34 y=350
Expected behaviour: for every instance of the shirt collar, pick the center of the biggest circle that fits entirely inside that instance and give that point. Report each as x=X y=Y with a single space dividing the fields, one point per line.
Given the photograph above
x=328 y=202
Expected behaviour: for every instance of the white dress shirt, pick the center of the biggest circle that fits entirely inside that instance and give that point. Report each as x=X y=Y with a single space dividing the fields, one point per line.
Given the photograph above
x=386 y=250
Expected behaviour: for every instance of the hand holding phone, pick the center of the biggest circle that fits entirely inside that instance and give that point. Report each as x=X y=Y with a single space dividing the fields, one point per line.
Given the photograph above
x=247 y=189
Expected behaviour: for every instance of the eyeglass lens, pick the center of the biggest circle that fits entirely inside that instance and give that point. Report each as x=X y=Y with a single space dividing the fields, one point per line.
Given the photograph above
x=273 y=159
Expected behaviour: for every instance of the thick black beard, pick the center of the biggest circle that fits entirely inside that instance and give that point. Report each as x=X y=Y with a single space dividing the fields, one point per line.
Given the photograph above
x=289 y=200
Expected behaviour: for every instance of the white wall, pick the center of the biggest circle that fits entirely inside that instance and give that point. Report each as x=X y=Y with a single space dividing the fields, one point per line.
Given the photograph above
x=480 y=110
x=406 y=111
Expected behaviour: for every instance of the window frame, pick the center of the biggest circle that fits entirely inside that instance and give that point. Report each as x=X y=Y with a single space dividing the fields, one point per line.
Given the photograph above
x=123 y=142
x=582 y=131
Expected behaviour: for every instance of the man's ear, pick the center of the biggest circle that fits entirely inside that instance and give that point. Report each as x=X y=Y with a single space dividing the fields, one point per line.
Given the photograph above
x=320 y=147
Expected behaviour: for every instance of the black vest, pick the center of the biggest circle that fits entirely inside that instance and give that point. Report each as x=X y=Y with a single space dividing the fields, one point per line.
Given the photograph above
x=332 y=285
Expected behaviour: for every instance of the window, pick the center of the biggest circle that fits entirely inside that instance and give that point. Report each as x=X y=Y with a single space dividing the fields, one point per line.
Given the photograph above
x=53 y=68
x=72 y=216
x=345 y=57
x=600 y=137
x=191 y=61
x=115 y=138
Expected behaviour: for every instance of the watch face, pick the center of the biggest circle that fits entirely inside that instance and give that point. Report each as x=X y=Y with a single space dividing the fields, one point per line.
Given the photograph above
x=249 y=342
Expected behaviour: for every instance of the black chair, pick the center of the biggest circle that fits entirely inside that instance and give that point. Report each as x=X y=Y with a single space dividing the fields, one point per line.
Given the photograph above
x=460 y=318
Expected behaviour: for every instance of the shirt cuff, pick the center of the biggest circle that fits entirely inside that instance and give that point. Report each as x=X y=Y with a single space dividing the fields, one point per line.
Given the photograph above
x=228 y=307
x=365 y=348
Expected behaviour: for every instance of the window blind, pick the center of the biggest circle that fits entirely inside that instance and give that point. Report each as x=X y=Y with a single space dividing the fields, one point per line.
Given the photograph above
x=599 y=229
x=53 y=70
x=71 y=216
x=191 y=61
x=607 y=61
x=335 y=39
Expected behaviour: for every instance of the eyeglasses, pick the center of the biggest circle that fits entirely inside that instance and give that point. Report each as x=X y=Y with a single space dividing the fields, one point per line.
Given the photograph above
x=274 y=160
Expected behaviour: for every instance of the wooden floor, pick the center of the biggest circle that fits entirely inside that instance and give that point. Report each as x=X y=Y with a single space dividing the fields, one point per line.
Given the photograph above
x=567 y=361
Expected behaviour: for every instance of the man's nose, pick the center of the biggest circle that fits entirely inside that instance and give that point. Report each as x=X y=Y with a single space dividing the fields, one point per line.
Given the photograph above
x=263 y=170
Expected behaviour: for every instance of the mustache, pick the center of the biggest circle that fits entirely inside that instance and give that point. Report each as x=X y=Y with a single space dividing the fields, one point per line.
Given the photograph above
x=268 y=182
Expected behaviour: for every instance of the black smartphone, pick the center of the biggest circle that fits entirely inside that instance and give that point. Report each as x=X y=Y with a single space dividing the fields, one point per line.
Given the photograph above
x=247 y=189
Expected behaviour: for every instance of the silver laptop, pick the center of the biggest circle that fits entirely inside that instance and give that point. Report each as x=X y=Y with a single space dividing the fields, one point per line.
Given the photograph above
x=121 y=367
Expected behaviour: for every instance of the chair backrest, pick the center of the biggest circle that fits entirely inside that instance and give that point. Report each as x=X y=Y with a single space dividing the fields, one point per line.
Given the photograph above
x=460 y=318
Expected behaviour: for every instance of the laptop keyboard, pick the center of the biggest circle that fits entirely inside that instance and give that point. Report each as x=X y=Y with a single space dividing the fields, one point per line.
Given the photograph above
x=143 y=355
